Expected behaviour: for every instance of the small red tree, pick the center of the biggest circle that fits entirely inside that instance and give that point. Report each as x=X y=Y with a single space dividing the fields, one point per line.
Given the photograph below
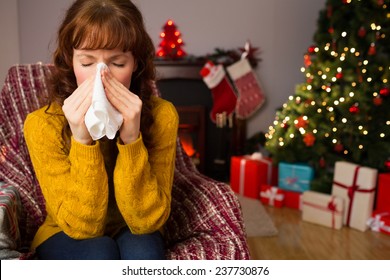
x=171 y=43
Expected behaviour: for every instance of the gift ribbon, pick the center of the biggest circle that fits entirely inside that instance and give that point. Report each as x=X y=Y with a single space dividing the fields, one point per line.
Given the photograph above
x=376 y=224
x=331 y=207
x=272 y=195
x=292 y=181
x=351 y=192
x=254 y=156
x=242 y=176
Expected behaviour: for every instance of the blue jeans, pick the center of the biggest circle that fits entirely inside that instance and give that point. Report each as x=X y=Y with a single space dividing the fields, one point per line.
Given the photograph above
x=124 y=246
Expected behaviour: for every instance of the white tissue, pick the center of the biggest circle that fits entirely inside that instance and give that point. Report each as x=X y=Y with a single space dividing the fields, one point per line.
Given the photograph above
x=102 y=119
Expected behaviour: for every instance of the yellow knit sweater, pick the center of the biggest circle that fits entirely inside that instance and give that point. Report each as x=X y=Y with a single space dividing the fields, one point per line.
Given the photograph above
x=89 y=193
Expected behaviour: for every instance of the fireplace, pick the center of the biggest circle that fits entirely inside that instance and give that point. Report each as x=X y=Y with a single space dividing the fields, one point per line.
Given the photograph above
x=208 y=145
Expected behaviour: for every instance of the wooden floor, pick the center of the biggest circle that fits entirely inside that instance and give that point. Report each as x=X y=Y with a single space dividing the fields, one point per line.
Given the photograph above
x=305 y=241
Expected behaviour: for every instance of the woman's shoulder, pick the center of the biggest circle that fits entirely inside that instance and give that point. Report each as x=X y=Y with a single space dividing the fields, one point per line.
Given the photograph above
x=50 y=114
x=163 y=107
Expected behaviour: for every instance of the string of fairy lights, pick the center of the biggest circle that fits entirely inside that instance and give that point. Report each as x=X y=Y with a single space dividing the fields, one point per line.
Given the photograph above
x=328 y=77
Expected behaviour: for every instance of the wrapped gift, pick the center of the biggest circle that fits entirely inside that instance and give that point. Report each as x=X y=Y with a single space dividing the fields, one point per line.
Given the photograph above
x=271 y=195
x=293 y=199
x=248 y=173
x=383 y=193
x=295 y=176
x=356 y=185
x=380 y=222
x=322 y=209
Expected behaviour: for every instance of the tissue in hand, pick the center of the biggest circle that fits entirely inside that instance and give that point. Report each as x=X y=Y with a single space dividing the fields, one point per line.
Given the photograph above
x=102 y=119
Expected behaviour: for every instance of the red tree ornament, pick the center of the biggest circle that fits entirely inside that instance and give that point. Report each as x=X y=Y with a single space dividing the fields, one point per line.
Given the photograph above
x=354 y=109
x=339 y=147
x=171 y=44
x=372 y=49
x=377 y=101
x=362 y=32
x=309 y=139
x=384 y=92
x=300 y=122
x=387 y=164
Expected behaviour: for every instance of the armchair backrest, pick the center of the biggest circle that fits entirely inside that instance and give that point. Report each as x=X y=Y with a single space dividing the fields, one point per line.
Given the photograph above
x=24 y=91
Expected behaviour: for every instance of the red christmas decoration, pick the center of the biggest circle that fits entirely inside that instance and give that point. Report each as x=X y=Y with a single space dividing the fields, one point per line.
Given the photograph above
x=307 y=60
x=339 y=147
x=300 y=122
x=384 y=92
x=372 y=49
x=171 y=44
x=377 y=101
x=312 y=49
x=354 y=109
x=339 y=75
x=309 y=139
x=322 y=162
x=362 y=32
x=387 y=164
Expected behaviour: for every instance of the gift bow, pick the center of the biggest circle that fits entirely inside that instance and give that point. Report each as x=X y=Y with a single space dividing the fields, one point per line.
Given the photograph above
x=330 y=207
x=376 y=224
x=272 y=195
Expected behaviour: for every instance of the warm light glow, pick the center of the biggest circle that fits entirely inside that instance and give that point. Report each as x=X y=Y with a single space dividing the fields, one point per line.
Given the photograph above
x=170 y=22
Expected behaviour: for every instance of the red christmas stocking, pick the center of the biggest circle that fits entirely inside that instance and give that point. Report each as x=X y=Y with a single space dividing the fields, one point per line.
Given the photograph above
x=251 y=96
x=224 y=98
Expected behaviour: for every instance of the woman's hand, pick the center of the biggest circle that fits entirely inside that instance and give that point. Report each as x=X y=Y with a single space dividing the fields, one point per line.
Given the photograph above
x=127 y=103
x=75 y=107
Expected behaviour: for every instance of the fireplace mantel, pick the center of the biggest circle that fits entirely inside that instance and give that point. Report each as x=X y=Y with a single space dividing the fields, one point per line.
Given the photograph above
x=178 y=69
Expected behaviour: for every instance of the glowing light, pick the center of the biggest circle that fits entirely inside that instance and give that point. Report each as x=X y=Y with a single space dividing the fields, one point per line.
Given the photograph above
x=361 y=147
x=344 y=120
x=344 y=34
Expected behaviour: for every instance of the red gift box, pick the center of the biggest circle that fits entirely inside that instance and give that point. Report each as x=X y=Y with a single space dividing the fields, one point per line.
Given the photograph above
x=293 y=199
x=271 y=195
x=249 y=173
x=380 y=222
x=383 y=193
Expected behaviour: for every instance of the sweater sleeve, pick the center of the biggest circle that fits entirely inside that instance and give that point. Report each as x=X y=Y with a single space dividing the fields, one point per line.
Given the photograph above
x=143 y=178
x=74 y=185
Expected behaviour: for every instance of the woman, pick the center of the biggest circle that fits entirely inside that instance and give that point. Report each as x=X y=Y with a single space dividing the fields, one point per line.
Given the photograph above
x=105 y=199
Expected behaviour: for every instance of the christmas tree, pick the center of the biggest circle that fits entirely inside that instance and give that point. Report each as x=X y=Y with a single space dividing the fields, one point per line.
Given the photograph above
x=342 y=111
x=171 y=43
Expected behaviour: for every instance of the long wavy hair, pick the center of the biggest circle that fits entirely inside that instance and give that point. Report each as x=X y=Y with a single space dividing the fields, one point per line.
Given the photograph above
x=104 y=24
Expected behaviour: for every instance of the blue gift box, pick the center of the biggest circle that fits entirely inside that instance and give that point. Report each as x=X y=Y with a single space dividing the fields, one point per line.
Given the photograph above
x=295 y=176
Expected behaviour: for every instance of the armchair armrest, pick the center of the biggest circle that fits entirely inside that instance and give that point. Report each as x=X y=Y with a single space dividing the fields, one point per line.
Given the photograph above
x=206 y=218
x=10 y=208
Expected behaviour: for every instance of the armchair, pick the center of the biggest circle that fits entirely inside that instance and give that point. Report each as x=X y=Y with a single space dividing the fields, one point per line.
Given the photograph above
x=206 y=219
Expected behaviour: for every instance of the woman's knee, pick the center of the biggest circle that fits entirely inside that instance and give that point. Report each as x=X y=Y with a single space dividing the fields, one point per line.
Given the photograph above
x=62 y=247
x=142 y=247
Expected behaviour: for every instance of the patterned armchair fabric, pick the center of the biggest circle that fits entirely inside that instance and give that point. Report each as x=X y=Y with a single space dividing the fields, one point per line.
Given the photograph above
x=206 y=219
